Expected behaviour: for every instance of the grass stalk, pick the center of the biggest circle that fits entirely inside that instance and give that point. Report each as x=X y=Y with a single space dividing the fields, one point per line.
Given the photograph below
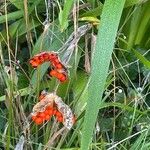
x=100 y=63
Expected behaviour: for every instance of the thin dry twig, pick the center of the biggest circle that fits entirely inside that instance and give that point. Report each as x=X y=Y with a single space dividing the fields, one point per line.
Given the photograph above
x=51 y=140
x=72 y=41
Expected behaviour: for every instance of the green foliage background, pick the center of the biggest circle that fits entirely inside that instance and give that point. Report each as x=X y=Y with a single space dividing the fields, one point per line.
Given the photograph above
x=109 y=76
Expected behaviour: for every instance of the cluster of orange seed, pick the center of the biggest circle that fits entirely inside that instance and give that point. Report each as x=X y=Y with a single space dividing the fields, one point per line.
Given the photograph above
x=46 y=115
x=59 y=70
x=52 y=105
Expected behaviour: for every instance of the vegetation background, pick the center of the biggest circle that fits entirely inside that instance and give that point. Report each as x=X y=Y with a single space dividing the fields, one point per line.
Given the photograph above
x=106 y=46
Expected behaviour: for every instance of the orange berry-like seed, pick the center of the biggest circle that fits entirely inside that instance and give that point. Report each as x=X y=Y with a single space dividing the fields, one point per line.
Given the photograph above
x=42 y=115
x=38 y=121
x=58 y=114
x=41 y=59
x=33 y=63
x=56 y=61
x=60 y=119
x=47 y=117
x=46 y=56
x=51 y=112
x=49 y=107
x=53 y=56
x=63 y=78
x=46 y=112
x=39 y=62
x=53 y=73
x=34 y=117
x=59 y=75
x=59 y=66
x=54 y=112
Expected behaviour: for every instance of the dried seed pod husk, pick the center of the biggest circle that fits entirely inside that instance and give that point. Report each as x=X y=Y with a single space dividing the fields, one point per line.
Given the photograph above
x=68 y=117
x=52 y=100
x=48 y=100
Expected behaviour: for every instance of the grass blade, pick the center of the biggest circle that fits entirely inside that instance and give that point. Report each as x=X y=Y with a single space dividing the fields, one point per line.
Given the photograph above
x=141 y=58
x=101 y=58
x=134 y=26
x=144 y=23
x=131 y=3
x=11 y=16
x=94 y=12
x=63 y=15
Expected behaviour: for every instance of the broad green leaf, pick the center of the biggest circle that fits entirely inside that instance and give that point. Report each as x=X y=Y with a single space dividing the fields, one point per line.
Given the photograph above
x=49 y=40
x=94 y=12
x=122 y=106
x=100 y=63
x=140 y=141
x=70 y=149
x=22 y=92
x=80 y=91
x=98 y=10
x=144 y=24
x=90 y=19
x=18 y=3
x=141 y=58
x=146 y=144
x=22 y=28
x=64 y=14
x=18 y=14
x=134 y=26
x=19 y=28
x=11 y=16
x=12 y=30
x=131 y=2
